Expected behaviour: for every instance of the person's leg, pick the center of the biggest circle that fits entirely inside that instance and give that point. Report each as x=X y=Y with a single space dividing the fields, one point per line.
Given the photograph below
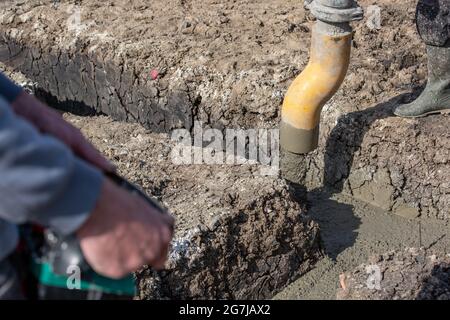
x=433 y=24
x=10 y=288
x=9 y=282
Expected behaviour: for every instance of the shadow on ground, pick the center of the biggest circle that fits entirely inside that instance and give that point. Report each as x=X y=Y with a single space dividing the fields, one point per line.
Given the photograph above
x=346 y=138
x=338 y=223
x=437 y=285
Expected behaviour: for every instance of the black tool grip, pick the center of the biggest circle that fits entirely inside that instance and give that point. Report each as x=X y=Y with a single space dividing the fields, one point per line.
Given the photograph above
x=122 y=182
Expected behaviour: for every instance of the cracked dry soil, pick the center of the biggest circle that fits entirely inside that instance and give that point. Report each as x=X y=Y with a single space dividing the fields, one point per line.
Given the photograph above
x=228 y=64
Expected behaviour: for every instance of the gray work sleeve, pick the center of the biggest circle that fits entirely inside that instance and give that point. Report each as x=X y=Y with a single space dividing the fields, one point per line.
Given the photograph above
x=41 y=181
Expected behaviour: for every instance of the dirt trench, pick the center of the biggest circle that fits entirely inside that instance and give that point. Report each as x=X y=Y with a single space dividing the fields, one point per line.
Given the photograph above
x=166 y=64
x=240 y=233
x=228 y=64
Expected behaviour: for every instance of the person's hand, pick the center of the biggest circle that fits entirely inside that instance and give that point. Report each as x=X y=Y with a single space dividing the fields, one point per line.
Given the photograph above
x=51 y=122
x=124 y=233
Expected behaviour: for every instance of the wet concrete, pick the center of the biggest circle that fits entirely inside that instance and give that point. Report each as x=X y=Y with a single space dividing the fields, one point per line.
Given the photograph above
x=352 y=231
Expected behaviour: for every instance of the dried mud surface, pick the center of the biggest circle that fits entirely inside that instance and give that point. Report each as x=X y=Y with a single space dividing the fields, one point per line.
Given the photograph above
x=228 y=64
x=410 y=274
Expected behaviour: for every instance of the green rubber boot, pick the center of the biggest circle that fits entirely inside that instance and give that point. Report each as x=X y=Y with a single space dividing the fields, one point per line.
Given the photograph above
x=436 y=96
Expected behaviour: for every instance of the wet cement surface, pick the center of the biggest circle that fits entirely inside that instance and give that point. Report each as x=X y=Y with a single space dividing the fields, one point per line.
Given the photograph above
x=352 y=231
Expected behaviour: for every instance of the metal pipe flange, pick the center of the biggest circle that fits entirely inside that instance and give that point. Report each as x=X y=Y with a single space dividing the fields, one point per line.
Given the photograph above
x=335 y=11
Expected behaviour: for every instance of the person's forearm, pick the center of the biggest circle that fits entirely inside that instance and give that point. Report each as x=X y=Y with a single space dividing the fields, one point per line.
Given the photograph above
x=19 y=100
x=24 y=104
x=52 y=123
x=30 y=108
x=30 y=111
x=41 y=180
